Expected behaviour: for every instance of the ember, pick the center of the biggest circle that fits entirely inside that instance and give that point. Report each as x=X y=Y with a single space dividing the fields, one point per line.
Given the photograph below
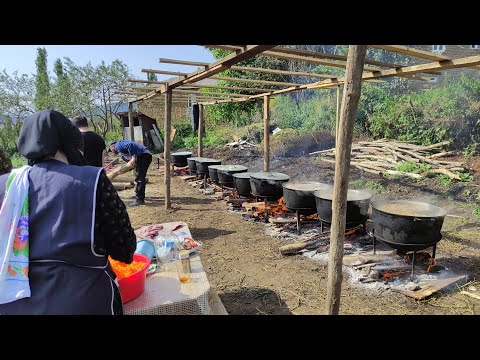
x=276 y=209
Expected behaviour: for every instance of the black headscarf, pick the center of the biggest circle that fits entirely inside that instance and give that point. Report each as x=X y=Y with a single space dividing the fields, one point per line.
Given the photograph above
x=46 y=132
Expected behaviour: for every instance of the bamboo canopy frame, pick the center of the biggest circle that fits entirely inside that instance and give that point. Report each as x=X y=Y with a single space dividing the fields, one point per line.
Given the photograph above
x=358 y=69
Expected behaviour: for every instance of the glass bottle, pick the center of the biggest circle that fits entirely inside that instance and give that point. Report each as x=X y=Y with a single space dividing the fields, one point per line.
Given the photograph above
x=183 y=267
x=166 y=246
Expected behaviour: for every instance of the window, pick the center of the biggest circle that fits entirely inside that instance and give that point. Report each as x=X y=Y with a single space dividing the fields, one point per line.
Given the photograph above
x=474 y=46
x=438 y=48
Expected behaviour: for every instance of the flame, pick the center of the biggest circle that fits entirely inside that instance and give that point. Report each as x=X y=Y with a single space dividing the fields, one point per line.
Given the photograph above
x=273 y=210
x=432 y=262
x=389 y=275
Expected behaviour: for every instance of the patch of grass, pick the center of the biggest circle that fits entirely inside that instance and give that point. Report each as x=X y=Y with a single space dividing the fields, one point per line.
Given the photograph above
x=467 y=192
x=445 y=180
x=465 y=176
x=369 y=184
x=412 y=167
x=477 y=211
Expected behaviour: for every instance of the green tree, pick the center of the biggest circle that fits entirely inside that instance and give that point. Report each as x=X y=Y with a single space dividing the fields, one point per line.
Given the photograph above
x=152 y=77
x=62 y=91
x=16 y=102
x=42 y=82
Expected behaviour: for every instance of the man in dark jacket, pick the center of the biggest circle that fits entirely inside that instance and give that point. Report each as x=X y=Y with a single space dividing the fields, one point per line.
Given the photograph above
x=93 y=143
x=141 y=158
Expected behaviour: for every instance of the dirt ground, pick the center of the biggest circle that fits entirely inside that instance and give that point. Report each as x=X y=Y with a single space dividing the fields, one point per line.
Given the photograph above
x=244 y=265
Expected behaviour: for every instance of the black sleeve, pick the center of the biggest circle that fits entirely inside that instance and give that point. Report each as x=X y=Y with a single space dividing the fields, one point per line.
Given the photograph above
x=113 y=234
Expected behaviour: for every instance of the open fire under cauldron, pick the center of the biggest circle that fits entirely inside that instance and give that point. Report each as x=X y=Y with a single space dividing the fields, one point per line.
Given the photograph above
x=268 y=185
x=357 y=207
x=299 y=196
x=242 y=183
x=407 y=225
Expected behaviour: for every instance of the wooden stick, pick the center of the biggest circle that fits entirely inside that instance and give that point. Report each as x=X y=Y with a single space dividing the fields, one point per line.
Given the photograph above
x=403 y=173
x=200 y=130
x=442 y=154
x=166 y=150
x=130 y=121
x=122 y=169
x=475 y=296
x=351 y=96
x=266 y=133
x=445 y=172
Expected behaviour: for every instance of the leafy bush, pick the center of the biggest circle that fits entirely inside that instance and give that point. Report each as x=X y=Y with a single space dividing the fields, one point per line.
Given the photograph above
x=18 y=160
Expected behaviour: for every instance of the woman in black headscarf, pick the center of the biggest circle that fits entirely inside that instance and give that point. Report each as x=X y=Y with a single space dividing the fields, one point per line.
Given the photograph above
x=76 y=220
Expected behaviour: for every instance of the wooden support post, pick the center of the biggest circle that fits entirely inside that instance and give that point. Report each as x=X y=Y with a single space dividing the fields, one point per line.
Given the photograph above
x=166 y=151
x=337 y=119
x=130 y=121
x=200 y=130
x=351 y=96
x=266 y=133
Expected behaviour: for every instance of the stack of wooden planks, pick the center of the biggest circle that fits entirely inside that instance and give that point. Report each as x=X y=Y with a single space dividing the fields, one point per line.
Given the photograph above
x=384 y=157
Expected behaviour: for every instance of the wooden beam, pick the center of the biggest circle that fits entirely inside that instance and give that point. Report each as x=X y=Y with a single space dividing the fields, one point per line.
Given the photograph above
x=266 y=133
x=351 y=96
x=214 y=68
x=337 y=117
x=200 y=130
x=255 y=69
x=146 y=81
x=320 y=55
x=422 y=54
x=131 y=122
x=166 y=147
x=182 y=62
x=206 y=93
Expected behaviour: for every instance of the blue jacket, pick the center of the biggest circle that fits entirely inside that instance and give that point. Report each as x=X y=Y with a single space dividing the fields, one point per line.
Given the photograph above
x=130 y=148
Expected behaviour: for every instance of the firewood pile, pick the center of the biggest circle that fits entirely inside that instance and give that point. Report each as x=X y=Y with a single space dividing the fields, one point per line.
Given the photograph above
x=384 y=157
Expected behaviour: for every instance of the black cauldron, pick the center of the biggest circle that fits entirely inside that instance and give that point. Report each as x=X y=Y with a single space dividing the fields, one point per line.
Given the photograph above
x=242 y=183
x=192 y=163
x=268 y=184
x=203 y=163
x=299 y=195
x=357 y=206
x=212 y=172
x=402 y=222
x=179 y=159
x=225 y=173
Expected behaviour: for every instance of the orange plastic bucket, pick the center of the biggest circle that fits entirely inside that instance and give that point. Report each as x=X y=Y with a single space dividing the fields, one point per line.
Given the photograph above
x=133 y=285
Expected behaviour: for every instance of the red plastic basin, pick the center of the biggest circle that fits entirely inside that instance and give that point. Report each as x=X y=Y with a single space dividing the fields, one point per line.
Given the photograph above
x=133 y=285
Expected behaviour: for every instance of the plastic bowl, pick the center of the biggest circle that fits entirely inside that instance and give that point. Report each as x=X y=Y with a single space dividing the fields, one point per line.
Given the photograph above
x=133 y=285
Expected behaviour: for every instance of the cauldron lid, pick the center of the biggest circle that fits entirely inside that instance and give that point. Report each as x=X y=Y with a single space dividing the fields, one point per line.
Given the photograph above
x=306 y=185
x=352 y=195
x=229 y=168
x=193 y=158
x=182 y=153
x=244 y=175
x=206 y=160
x=274 y=176
x=214 y=167
x=408 y=208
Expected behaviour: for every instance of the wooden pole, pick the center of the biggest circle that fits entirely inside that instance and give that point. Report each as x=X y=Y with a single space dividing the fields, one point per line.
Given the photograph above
x=166 y=151
x=351 y=96
x=337 y=119
x=130 y=121
x=266 y=133
x=200 y=130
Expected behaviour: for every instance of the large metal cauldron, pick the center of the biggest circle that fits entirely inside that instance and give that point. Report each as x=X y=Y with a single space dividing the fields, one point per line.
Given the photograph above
x=299 y=195
x=242 y=183
x=268 y=184
x=225 y=173
x=401 y=223
x=203 y=163
x=357 y=206
x=192 y=163
x=212 y=172
x=179 y=159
